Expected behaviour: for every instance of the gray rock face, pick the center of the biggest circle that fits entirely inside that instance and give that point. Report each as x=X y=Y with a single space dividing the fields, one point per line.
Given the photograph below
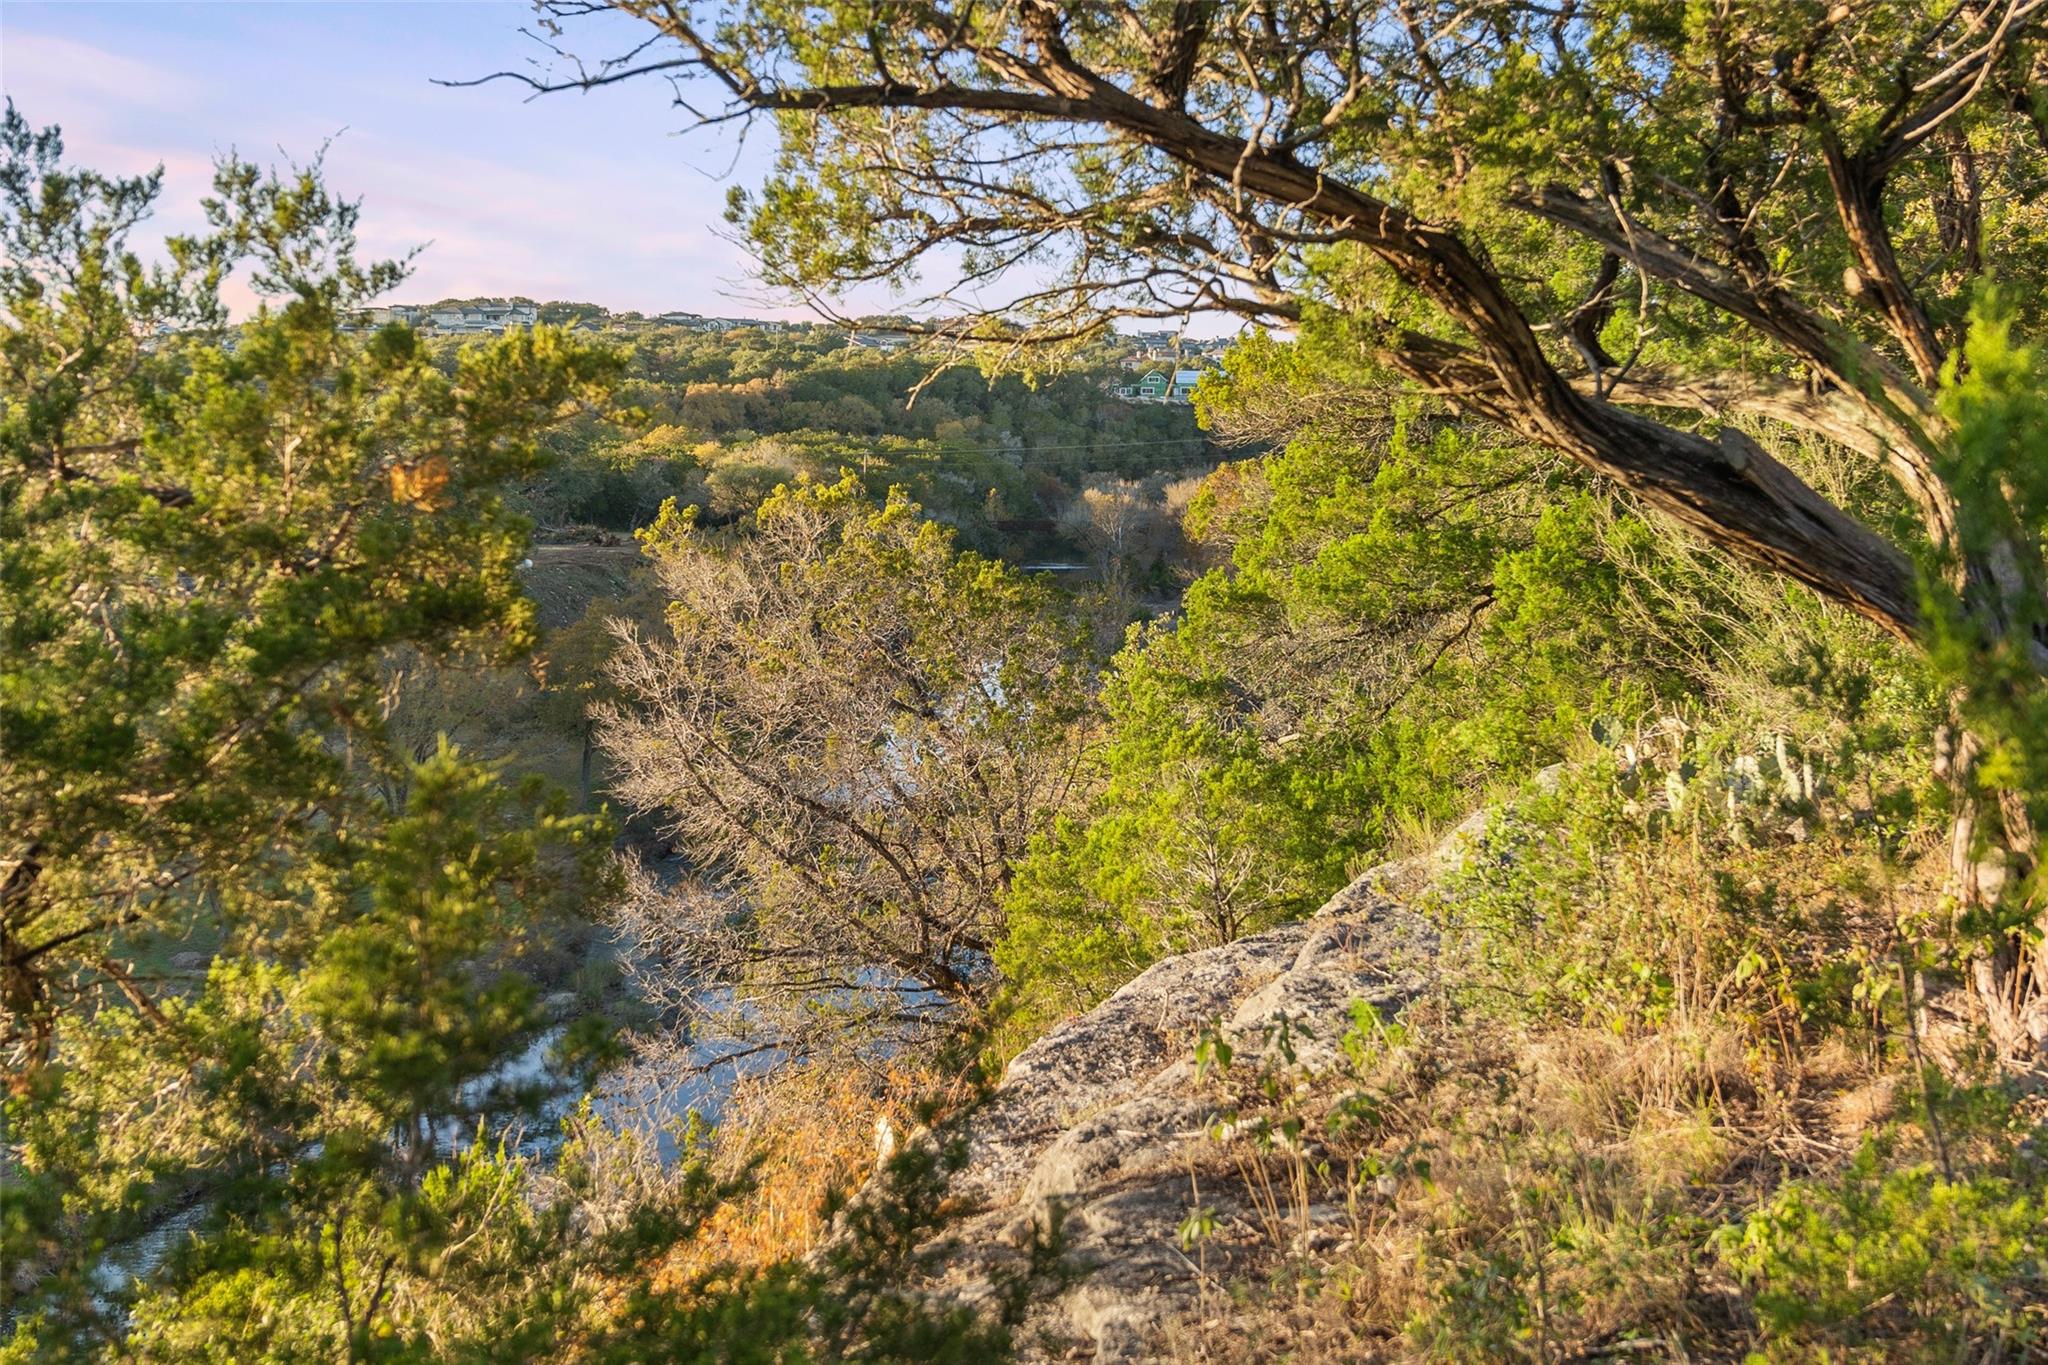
x=1099 y=1135
x=1089 y=1064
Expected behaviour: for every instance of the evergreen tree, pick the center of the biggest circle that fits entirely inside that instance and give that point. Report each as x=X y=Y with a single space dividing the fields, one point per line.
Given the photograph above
x=212 y=539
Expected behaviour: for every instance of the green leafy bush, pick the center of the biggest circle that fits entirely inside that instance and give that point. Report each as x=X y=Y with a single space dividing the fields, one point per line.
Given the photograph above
x=1902 y=1258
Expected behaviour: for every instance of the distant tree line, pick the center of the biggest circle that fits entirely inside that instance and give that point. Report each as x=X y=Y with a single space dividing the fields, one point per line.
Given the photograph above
x=723 y=418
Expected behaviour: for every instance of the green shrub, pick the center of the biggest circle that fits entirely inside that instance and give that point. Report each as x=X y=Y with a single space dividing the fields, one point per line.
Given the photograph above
x=1923 y=1263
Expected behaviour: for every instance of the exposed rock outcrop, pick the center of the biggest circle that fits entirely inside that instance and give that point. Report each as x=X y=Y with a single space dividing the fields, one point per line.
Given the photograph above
x=1099 y=1134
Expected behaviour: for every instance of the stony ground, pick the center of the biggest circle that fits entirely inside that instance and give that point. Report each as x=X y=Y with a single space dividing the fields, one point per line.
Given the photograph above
x=1100 y=1137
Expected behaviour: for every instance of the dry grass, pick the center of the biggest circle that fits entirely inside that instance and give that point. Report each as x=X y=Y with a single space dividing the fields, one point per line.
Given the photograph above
x=1624 y=1059
x=1632 y=1055
x=796 y=1136
x=1542 y=1197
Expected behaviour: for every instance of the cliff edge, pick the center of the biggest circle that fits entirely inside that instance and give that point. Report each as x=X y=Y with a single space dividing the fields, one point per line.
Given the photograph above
x=1100 y=1141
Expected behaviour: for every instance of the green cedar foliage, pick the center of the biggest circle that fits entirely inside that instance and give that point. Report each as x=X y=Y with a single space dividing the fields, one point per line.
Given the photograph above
x=1411 y=613
x=1996 y=395
x=207 y=548
x=211 y=540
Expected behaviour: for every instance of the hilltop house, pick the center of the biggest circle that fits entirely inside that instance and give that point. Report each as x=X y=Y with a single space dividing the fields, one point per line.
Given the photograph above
x=1150 y=389
x=369 y=319
x=697 y=322
x=1163 y=386
x=482 y=317
x=457 y=318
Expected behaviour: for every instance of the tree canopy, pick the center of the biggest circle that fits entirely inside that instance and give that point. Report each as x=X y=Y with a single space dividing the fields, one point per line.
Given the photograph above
x=1779 y=212
x=212 y=543
x=1624 y=232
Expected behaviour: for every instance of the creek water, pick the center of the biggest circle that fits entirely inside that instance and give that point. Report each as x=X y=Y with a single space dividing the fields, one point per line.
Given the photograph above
x=653 y=1099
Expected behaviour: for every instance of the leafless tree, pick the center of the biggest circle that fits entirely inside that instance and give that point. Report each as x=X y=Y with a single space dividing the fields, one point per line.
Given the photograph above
x=854 y=732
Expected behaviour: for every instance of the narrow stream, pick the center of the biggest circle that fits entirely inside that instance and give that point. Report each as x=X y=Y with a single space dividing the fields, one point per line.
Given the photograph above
x=635 y=1095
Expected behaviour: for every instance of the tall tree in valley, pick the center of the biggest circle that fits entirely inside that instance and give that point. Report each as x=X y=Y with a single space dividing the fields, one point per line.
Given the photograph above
x=1622 y=231
x=854 y=730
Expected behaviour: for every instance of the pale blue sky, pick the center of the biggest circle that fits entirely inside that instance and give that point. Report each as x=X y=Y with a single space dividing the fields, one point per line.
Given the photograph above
x=571 y=196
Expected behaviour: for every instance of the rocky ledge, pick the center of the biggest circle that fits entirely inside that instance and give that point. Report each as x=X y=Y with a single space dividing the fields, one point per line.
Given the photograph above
x=1099 y=1137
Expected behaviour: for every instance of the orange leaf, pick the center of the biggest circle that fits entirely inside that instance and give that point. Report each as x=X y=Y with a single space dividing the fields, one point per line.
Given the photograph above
x=423 y=485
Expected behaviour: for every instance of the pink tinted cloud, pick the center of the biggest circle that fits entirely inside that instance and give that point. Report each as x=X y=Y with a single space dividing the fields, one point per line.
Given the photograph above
x=574 y=229
x=573 y=200
x=41 y=68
